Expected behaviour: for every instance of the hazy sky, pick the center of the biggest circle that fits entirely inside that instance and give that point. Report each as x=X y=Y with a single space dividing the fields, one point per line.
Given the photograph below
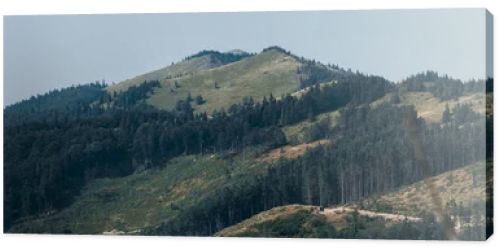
x=47 y=52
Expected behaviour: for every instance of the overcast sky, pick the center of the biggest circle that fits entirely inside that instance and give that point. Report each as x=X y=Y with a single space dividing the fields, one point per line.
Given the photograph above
x=46 y=52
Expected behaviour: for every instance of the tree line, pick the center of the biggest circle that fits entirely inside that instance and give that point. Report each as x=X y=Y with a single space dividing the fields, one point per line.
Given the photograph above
x=444 y=87
x=373 y=152
x=48 y=160
x=69 y=102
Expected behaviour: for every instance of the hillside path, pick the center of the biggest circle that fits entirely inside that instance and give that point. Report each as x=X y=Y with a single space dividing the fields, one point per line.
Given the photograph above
x=371 y=214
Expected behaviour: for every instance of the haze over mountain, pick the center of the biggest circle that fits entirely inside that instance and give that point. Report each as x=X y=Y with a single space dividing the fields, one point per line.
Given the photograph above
x=393 y=44
x=207 y=145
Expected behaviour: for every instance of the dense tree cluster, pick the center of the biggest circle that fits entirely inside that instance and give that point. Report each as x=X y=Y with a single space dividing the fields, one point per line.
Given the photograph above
x=133 y=96
x=56 y=144
x=48 y=161
x=314 y=73
x=279 y=49
x=72 y=101
x=375 y=151
x=442 y=87
x=220 y=58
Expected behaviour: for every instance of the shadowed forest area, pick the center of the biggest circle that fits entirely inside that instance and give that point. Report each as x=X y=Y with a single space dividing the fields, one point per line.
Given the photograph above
x=207 y=149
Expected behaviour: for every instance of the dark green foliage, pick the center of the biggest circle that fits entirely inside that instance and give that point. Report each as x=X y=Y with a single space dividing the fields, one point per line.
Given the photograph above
x=58 y=142
x=361 y=227
x=373 y=153
x=318 y=130
x=135 y=137
x=457 y=143
x=302 y=224
x=47 y=164
x=306 y=224
x=489 y=85
x=276 y=48
x=314 y=73
x=489 y=199
x=446 y=115
x=442 y=87
x=48 y=161
x=199 y=100
x=134 y=95
x=189 y=98
x=220 y=58
x=463 y=113
x=74 y=101
x=184 y=109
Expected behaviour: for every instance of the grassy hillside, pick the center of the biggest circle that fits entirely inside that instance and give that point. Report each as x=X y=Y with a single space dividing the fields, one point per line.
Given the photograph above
x=431 y=108
x=181 y=173
x=465 y=186
x=180 y=68
x=284 y=221
x=258 y=76
x=461 y=193
x=291 y=151
x=146 y=199
x=403 y=212
x=297 y=133
x=302 y=221
x=223 y=79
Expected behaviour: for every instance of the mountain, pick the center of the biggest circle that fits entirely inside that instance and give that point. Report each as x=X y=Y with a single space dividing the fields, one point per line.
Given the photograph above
x=222 y=83
x=200 y=61
x=75 y=100
x=256 y=77
x=211 y=143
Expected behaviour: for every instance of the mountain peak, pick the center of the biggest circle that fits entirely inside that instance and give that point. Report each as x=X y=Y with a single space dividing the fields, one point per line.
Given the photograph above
x=235 y=54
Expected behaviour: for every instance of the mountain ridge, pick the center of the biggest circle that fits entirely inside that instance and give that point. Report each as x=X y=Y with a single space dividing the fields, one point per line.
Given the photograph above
x=176 y=155
x=273 y=71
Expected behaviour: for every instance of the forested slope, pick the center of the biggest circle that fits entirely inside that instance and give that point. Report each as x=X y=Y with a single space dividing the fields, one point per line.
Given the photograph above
x=138 y=138
x=407 y=213
x=189 y=170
